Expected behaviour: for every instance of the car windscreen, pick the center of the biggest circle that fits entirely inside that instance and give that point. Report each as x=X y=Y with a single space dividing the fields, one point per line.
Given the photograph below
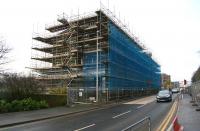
x=163 y=92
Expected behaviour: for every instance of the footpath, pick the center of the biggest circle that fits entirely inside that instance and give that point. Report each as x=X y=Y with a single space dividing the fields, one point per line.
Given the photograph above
x=188 y=117
x=16 y=118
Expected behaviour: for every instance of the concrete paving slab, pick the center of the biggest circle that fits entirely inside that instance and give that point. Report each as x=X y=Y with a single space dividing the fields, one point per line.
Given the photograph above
x=187 y=114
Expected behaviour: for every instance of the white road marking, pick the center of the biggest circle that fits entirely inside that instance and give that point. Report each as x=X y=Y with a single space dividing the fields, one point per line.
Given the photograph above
x=84 y=127
x=140 y=106
x=121 y=114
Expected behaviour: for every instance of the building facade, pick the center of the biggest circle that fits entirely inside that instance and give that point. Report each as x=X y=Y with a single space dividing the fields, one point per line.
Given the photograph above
x=175 y=84
x=94 y=55
x=166 y=81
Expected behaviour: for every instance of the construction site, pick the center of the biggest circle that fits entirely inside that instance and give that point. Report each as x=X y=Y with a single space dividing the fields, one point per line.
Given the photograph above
x=93 y=57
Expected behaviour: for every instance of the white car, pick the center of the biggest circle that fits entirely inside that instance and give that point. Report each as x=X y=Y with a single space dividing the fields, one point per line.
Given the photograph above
x=175 y=90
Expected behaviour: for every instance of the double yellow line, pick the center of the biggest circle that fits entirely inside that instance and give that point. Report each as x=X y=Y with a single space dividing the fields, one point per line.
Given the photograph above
x=168 y=118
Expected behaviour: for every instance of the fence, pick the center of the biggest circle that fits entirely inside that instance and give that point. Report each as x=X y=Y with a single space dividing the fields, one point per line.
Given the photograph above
x=194 y=91
x=88 y=95
x=142 y=125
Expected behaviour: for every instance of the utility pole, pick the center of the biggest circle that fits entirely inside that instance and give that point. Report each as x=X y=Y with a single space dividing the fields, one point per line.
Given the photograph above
x=97 y=69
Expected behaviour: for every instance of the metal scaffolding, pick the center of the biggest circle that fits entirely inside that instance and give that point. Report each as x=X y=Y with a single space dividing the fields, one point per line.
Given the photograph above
x=78 y=53
x=64 y=51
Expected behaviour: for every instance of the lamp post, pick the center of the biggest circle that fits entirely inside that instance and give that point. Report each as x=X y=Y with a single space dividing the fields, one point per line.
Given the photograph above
x=97 y=69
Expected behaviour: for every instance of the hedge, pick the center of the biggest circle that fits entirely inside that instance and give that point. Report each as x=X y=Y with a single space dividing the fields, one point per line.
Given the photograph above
x=22 y=105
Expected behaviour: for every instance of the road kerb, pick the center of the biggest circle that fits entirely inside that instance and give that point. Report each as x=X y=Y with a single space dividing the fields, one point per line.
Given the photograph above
x=46 y=118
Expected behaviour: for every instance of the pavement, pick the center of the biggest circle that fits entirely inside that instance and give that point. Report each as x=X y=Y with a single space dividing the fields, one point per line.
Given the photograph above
x=15 y=118
x=187 y=114
x=110 y=118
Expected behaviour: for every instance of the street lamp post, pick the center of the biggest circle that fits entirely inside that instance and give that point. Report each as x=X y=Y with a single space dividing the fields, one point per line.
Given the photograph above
x=97 y=69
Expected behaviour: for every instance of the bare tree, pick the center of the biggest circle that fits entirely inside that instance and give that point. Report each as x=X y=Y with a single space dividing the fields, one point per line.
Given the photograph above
x=18 y=86
x=196 y=75
x=4 y=50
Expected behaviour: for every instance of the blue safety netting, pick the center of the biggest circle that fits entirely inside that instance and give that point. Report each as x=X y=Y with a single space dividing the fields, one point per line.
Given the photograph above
x=89 y=69
x=128 y=66
x=124 y=66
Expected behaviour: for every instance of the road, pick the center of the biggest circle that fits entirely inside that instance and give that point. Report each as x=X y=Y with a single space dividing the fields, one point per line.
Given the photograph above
x=110 y=119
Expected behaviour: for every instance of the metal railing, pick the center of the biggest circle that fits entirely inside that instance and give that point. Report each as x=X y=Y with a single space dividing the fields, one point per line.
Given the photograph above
x=143 y=124
x=87 y=95
x=194 y=91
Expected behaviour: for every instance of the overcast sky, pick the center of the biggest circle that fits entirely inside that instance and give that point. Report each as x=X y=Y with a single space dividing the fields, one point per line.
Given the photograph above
x=170 y=28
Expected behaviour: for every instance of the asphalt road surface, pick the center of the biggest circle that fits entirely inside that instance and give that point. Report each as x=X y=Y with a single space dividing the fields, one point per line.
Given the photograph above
x=114 y=118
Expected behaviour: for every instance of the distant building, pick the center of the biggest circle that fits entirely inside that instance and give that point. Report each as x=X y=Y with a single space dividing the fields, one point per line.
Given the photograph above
x=165 y=80
x=175 y=84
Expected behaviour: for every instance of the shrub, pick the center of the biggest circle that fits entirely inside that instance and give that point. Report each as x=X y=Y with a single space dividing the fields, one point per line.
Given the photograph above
x=22 y=105
x=2 y=102
x=3 y=106
x=17 y=105
x=43 y=104
x=8 y=107
x=31 y=104
x=26 y=103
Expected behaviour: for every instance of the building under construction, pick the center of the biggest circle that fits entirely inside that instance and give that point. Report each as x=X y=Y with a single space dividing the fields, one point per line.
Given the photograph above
x=94 y=56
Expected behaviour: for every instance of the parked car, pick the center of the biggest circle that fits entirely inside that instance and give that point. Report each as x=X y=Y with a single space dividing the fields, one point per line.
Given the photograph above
x=164 y=95
x=175 y=90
